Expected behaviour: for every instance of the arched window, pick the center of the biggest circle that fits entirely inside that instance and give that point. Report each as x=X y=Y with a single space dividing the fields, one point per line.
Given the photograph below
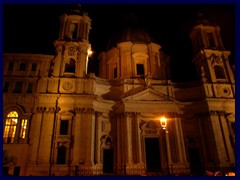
x=61 y=155
x=14 y=128
x=70 y=67
x=219 y=72
x=10 y=127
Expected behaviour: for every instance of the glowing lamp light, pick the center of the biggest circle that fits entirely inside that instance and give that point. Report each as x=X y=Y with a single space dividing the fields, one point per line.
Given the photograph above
x=90 y=52
x=163 y=122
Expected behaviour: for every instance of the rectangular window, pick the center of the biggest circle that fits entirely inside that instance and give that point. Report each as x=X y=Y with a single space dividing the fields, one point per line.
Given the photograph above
x=18 y=87
x=140 y=69
x=115 y=72
x=34 y=67
x=10 y=66
x=211 y=40
x=22 y=67
x=30 y=88
x=6 y=86
x=64 y=127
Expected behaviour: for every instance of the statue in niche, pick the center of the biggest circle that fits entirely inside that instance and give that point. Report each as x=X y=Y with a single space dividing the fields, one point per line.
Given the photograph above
x=148 y=79
x=203 y=74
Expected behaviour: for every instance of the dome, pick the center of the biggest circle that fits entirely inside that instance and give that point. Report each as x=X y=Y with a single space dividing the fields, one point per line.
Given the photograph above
x=203 y=19
x=131 y=30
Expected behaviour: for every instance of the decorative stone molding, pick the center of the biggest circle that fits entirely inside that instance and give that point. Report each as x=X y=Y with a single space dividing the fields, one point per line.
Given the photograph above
x=149 y=127
x=106 y=142
x=59 y=48
x=42 y=109
x=148 y=80
x=84 y=110
x=216 y=113
x=67 y=86
x=215 y=59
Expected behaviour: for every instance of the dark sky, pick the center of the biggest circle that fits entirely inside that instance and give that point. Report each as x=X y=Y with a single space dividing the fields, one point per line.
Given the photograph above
x=33 y=28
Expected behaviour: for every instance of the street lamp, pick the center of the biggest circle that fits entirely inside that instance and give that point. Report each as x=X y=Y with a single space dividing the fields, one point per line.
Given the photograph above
x=163 y=122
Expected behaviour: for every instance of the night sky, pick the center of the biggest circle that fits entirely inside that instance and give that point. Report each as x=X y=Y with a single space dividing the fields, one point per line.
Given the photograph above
x=33 y=29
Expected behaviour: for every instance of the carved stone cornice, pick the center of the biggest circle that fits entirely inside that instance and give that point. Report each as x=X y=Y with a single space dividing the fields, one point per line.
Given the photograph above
x=83 y=110
x=213 y=113
x=217 y=113
x=43 y=109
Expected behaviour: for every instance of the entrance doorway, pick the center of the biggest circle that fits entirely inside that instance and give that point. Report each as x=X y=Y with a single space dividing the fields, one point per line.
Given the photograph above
x=195 y=161
x=152 y=155
x=108 y=161
x=16 y=171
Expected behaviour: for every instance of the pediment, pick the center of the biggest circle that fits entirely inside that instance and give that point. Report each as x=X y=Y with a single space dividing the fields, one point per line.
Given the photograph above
x=147 y=95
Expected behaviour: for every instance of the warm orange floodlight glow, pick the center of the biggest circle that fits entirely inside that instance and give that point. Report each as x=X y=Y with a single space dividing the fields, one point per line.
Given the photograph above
x=90 y=52
x=163 y=122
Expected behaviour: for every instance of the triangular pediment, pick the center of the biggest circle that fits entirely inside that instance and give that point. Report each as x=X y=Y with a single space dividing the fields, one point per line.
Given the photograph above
x=147 y=95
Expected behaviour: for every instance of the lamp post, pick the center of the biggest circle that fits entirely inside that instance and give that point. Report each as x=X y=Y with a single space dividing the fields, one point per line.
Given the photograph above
x=163 y=122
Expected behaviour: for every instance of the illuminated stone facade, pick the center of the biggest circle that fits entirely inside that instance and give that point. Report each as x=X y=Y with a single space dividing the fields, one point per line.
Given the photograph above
x=60 y=120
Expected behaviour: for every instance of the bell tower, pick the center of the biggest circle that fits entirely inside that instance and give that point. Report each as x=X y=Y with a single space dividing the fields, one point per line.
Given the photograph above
x=72 y=46
x=212 y=63
x=211 y=59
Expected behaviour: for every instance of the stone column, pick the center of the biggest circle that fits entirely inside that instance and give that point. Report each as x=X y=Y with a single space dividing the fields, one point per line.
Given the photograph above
x=180 y=140
x=81 y=60
x=93 y=136
x=119 y=145
x=57 y=61
x=98 y=130
x=46 y=137
x=36 y=133
x=139 y=144
x=129 y=138
x=221 y=151
x=126 y=66
x=77 y=136
x=168 y=148
x=63 y=28
x=90 y=137
x=226 y=138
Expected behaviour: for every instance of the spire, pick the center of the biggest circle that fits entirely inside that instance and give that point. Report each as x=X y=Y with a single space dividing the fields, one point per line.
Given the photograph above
x=74 y=9
x=203 y=19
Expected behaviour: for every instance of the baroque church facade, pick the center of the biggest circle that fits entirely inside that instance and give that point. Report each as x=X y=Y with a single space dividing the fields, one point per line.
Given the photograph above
x=60 y=120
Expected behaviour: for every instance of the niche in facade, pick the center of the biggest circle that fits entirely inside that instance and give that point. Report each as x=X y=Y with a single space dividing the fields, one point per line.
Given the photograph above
x=70 y=66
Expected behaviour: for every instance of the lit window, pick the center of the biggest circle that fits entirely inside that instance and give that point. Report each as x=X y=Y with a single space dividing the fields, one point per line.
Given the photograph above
x=10 y=127
x=23 y=128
